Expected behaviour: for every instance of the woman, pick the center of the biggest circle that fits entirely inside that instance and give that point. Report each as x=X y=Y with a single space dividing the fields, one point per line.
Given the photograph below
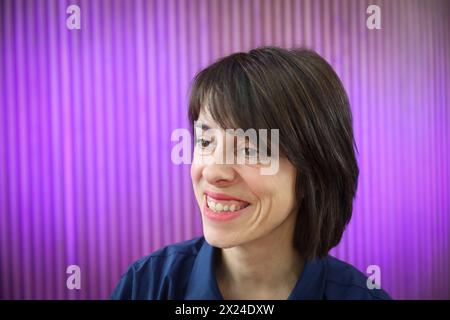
x=266 y=236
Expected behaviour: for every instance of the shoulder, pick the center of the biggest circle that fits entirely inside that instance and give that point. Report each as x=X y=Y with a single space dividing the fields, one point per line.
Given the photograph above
x=344 y=281
x=155 y=276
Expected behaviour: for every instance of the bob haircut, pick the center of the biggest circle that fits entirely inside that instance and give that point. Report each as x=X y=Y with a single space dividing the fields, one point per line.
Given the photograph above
x=297 y=92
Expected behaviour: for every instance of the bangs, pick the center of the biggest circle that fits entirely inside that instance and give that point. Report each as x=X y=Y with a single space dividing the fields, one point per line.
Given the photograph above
x=224 y=91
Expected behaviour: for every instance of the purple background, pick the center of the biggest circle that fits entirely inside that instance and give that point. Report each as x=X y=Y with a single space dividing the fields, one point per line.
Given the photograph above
x=86 y=118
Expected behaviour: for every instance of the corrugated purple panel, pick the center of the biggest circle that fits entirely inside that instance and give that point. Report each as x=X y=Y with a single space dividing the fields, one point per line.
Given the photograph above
x=86 y=118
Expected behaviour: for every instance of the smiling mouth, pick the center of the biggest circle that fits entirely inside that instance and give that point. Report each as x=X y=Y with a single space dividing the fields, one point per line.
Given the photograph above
x=224 y=206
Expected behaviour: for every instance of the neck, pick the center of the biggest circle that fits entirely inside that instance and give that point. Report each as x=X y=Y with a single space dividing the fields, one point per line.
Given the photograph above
x=269 y=264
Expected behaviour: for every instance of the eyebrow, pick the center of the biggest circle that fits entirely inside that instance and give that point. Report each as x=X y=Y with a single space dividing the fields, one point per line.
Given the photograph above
x=202 y=125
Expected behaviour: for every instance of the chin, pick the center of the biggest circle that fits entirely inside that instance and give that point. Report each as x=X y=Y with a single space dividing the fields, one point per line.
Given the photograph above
x=219 y=239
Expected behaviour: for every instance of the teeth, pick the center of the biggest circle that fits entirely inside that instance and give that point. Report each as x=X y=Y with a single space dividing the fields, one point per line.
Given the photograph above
x=219 y=207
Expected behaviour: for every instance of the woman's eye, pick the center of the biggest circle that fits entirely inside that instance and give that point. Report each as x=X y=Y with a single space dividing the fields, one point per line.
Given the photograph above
x=250 y=152
x=203 y=143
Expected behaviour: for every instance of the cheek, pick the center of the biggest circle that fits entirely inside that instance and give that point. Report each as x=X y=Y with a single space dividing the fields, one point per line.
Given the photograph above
x=286 y=185
x=265 y=189
x=275 y=195
x=276 y=192
x=196 y=173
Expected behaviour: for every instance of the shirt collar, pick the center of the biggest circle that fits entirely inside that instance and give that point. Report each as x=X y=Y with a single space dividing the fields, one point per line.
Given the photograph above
x=203 y=285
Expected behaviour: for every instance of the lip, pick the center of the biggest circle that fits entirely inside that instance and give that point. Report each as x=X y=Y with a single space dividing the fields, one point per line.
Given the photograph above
x=223 y=216
x=222 y=196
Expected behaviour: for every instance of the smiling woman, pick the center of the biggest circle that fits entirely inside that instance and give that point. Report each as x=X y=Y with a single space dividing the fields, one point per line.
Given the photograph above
x=265 y=236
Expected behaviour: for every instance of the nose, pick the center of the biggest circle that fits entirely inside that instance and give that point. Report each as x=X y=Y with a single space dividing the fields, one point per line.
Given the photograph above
x=219 y=173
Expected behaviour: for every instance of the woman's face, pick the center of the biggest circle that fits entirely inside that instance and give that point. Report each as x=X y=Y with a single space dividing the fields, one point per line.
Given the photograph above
x=237 y=203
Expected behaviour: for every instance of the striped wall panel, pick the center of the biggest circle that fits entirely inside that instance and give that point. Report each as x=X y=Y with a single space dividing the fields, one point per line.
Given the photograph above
x=86 y=118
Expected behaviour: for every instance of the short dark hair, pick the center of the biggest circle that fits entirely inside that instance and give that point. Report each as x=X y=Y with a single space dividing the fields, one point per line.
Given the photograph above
x=297 y=92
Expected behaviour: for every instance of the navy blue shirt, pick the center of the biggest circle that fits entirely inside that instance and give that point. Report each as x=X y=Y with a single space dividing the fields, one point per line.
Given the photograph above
x=186 y=271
